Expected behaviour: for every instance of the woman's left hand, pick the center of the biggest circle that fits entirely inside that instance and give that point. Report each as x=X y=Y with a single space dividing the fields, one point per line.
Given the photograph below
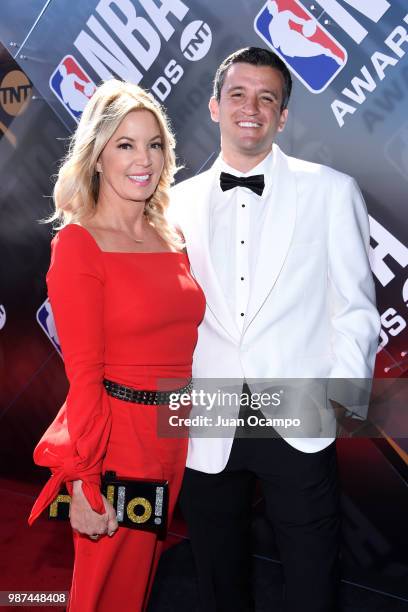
x=85 y=520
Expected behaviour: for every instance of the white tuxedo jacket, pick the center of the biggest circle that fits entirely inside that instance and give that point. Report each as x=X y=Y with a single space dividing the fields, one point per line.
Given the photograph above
x=312 y=309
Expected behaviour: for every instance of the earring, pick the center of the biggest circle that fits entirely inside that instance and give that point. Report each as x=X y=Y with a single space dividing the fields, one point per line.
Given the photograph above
x=99 y=168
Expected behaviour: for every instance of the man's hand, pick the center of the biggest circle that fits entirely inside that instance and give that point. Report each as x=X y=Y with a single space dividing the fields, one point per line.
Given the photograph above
x=87 y=521
x=340 y=413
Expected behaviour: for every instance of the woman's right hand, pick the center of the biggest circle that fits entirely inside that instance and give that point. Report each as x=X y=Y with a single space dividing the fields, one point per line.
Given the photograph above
x=87 y=521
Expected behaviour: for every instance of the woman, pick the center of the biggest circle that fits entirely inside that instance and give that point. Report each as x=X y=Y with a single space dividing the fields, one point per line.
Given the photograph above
x=126 y=309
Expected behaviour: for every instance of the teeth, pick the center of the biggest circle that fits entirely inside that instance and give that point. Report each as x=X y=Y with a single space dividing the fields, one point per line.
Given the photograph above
x=139 y=178
x=249 y=124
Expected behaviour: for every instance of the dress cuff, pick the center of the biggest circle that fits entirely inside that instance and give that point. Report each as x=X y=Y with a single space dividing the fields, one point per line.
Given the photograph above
x=90 y=487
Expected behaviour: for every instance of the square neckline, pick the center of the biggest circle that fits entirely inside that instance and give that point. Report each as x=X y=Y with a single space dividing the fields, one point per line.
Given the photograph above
x=125 y=252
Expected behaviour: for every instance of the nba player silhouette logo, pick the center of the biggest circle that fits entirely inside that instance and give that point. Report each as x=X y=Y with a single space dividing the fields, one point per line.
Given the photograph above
x=72 y=86
x=45 y=318
x=311 y=53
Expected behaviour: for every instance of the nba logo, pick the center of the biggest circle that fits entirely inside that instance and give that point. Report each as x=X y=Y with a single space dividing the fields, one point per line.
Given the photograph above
x=46 y=319
x=72 y=86
x=312 y=54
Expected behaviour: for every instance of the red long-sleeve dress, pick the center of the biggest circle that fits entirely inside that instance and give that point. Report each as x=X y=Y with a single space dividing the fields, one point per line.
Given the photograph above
x=131 y=318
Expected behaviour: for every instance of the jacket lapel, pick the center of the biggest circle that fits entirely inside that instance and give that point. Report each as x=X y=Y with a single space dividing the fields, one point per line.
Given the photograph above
x=196 y=230
x=276 y=236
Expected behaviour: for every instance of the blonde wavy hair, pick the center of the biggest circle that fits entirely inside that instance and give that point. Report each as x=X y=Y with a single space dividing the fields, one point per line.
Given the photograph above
x=76 y=189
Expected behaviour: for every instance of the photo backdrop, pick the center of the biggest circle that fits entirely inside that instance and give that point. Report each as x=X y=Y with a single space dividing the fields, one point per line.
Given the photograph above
x=348 y=110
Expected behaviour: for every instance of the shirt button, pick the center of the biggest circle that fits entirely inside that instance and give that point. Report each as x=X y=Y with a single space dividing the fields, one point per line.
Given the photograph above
x=242 y=278
x=243 y=205
x=242 y=241
x=242 y=314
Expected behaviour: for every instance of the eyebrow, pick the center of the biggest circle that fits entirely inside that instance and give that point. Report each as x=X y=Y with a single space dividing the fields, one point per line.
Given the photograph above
x=158 y=136
x=269 y=91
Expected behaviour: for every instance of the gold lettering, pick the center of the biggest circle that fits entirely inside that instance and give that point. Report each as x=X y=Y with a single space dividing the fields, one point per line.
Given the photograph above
x=139 y=501
x=61 y=499
x=110 y=494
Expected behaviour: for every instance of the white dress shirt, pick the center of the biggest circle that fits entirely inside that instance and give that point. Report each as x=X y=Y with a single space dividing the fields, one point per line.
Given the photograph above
x=236 y=221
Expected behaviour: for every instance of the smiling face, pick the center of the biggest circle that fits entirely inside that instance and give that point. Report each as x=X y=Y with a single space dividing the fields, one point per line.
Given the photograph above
x=132 y=160
x=249 y=113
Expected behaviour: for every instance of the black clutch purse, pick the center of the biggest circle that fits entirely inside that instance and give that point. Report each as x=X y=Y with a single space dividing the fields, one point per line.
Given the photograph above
x=139 y=503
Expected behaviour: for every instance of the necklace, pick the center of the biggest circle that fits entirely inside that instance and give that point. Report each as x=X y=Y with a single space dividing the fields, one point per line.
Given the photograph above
x=139 y=240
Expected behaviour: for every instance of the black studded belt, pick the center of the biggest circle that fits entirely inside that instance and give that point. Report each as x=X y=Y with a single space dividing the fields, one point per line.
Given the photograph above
x=139 y=396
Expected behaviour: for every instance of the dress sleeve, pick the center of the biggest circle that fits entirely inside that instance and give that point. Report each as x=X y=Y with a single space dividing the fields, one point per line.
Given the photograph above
x=74 y=445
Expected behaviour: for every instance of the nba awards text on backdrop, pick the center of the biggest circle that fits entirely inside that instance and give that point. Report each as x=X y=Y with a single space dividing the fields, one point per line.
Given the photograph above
x=316 y=57
x=380 y=61
x=118 y=21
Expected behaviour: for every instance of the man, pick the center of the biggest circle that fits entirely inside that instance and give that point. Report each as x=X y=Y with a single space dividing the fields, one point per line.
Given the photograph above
x=282 y=259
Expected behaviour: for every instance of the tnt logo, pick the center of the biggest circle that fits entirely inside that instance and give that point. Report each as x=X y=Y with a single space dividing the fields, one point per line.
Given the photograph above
x=312 y=54
x=196 y=40
x=46 y=319
x=72 y=86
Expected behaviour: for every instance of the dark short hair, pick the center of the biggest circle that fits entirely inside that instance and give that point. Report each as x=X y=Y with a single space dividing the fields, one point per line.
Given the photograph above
x=257 y=57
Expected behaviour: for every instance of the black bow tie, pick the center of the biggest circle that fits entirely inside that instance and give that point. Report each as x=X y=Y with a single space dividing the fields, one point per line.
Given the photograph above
x=256 y=183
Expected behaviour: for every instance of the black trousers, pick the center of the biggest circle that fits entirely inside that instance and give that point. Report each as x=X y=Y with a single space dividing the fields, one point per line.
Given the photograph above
x=302 y=504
